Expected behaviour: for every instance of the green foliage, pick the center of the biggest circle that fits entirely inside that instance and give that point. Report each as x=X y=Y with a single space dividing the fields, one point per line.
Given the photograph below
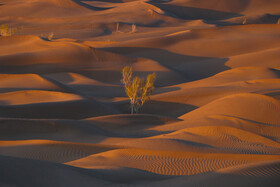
x=5 y=30
x=50 y=37
x=138 y=90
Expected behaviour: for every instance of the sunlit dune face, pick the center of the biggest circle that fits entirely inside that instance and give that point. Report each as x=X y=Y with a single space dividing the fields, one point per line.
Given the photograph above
x=31 y=97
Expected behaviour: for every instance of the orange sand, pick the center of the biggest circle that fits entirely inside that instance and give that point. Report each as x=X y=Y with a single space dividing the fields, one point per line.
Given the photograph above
x=213 y=119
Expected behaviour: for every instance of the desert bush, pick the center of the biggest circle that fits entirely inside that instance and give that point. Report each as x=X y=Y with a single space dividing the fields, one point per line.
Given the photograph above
x=133 y=28
x=118 y=25
x=50 y=36
x=5 y=30
x=138 y=90
x=244 y=20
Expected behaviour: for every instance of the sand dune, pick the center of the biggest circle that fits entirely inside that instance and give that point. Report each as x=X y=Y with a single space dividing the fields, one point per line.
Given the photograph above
x=167 y=163
x=47 y=174
x=235 y=140
x=76 y=110
x=47 y=56
x=213 y=118
x=30 y=54
x=234 y=81
x=188 y=52
x=263 y=174
x=264 y=113
x=57 y=8
x=239 y=6
x=265 y=107
x=230 y=129
x=52 y=129
x=50 y=150
x=14 y=82
x=30 y=97
x=121 y=124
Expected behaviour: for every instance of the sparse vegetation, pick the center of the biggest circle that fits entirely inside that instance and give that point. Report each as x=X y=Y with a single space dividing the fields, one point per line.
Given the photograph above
x=5 y=30
x=138 y=90
x=118 y=25
x=50 y=36
x=133 y=28
x=244 y=20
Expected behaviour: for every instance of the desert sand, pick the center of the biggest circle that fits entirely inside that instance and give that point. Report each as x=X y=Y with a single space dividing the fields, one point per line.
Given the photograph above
x=213 y=118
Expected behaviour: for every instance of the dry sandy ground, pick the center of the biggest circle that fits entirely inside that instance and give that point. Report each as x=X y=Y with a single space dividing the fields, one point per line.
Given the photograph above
x=213 y=120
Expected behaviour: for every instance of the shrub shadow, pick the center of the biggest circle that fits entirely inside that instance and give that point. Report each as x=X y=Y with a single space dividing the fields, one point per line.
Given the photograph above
x=162 y=108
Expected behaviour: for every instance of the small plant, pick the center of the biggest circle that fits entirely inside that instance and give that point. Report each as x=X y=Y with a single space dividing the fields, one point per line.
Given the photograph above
x=138 y=90
x=50 y=37
x=118 y=25
x=151 y=13
x=5 y=30
x=133 y=28
x=244 y=20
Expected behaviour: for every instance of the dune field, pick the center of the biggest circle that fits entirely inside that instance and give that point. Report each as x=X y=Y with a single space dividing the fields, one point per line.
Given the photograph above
x=213 y=119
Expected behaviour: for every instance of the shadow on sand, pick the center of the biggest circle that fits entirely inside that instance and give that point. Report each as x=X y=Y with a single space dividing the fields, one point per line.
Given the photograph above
x=191 y=67
x=89 y=6
x=192 y=13
x=167 y=109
